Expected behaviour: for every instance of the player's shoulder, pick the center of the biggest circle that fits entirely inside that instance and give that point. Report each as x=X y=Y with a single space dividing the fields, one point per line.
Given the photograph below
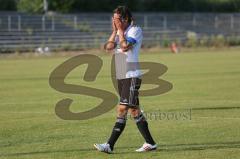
x=135 y=29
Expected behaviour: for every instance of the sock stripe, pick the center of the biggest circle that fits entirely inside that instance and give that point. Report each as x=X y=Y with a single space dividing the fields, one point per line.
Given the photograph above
x=121 y=120
x=139 y=118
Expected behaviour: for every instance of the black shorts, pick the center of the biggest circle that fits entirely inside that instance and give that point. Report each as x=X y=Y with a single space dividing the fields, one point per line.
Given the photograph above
x=128 y=91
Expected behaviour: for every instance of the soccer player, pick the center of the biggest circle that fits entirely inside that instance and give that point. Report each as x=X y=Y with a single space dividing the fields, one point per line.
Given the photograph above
x=126 y=39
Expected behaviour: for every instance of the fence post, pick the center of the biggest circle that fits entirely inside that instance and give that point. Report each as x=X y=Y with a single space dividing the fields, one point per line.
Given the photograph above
x=9 y=23
x=216 y=22
x=232 y=21
x=75 y=22
x=145 y=21
x=165 y=22
x=19 y=23
x=194 y=21
x=43 y=23
x=111 y=21
x=53 y=23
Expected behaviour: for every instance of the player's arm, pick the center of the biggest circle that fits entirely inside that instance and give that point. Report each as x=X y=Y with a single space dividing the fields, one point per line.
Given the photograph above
x=125 y=44
x=111 y=44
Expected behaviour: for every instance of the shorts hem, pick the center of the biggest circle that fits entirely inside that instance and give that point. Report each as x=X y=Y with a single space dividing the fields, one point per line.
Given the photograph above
x=129 y=105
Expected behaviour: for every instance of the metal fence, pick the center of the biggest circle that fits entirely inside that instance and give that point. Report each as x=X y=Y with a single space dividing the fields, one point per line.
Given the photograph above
x=20 y=31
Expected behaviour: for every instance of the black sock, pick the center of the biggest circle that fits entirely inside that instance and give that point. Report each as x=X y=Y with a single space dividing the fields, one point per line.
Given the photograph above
x=143 y=128
x=116 y=132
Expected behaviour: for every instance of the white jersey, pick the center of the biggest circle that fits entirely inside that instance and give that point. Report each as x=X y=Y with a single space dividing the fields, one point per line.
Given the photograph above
x=126 y=63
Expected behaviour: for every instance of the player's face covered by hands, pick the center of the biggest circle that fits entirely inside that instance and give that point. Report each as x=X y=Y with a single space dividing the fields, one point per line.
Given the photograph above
x=119 y=22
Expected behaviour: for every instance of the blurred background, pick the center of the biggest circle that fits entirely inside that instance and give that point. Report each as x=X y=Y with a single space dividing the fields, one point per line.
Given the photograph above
x=53 y=25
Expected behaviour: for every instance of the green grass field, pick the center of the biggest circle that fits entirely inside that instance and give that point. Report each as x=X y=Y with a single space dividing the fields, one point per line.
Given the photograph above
x=205 y=81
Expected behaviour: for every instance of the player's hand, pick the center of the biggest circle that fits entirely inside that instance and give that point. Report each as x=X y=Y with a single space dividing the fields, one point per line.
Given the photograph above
x=114 y=28
x=118 y=23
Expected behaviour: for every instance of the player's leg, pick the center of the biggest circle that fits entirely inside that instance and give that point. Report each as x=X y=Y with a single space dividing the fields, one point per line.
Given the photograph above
x=139 y=118
x=116 y=132
x=122 y=110
x=142 y=125
x=119 y=125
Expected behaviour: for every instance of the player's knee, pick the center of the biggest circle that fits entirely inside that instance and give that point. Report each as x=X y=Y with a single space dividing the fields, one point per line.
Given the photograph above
x=135 y=112
x=122 y=111
x=139 y=118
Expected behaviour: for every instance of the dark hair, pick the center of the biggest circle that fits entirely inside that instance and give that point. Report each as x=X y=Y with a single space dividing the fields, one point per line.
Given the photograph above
x=124 y=12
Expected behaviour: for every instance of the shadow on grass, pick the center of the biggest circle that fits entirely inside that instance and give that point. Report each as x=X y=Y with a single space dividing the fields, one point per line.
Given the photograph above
x=194 y=146
x=215 y=108
x=199 y=146
x=161 y=147
x=46 y=152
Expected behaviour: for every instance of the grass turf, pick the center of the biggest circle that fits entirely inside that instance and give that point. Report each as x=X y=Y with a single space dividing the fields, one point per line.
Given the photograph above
x=207 y=82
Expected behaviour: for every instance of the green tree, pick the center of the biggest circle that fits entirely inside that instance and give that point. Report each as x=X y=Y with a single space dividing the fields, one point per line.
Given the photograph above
x=67 y=6
x=63 y=6
x=30 y=6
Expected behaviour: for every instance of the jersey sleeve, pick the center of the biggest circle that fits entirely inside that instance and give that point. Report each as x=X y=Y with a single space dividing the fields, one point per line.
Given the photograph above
x=134 y=35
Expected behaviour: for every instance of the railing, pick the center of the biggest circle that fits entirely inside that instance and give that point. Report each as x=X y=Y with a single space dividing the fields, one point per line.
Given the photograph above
x=87 y=30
